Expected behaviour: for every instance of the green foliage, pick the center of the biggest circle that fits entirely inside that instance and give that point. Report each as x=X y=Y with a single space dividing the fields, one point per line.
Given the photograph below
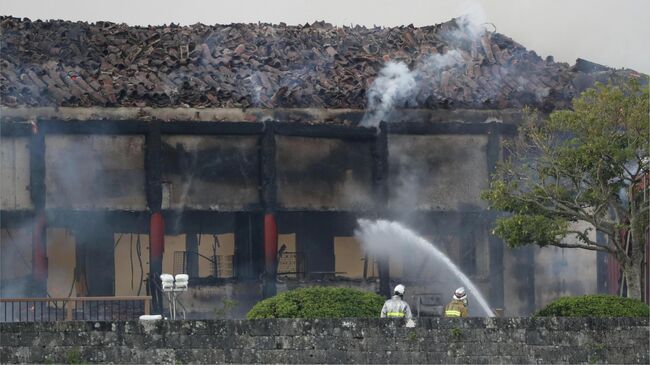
x=319 y=302
x=227 y=305
x=580 y=165
x=595 y=306
x=456 y=333
x=73 y=357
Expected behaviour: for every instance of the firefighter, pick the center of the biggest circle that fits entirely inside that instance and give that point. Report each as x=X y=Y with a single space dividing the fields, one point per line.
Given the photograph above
x=396 y=307
x=458 y=305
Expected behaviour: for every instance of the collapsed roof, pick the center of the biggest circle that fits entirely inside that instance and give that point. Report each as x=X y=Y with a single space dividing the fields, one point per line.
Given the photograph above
x=62 y=63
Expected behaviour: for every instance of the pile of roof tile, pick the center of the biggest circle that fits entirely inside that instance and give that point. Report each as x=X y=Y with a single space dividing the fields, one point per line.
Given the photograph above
x=62 y=63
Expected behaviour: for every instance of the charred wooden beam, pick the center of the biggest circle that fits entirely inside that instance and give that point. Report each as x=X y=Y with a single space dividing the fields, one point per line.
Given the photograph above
x=267 y=158
x=95 y=258
x=342 y=223
x=450 y=128
x=268 y=198
x=191 y=256
x=125 y=221
x=153 y=191
x=249 y=258
x=380 y=169
x=37 y=168
x=325 y=131
x=15 y=129
x=37 y=195
x=153 y=167
x=15 y=218
x=95 y=127
x=212 y=128
x=198 y=221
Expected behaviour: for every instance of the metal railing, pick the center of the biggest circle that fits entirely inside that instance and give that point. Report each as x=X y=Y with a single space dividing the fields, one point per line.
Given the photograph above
x=292 y=263
x=221 y=265
x=73 y=309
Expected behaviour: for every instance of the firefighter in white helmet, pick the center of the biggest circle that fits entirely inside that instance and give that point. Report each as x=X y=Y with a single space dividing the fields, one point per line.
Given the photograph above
x=396 y=307
x=458 y=305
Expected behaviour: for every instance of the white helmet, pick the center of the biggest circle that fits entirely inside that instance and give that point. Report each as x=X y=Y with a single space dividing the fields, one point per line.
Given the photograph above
x=399 y=289
x=460 y=294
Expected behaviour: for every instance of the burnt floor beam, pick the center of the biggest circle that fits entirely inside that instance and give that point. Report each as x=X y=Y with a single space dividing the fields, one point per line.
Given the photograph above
x=153 y=190
x=342 y=224
x=450 y=128
x=121 y=221
x=198 y=221
x=325 y=131
x=212 y=128
x=109 y=127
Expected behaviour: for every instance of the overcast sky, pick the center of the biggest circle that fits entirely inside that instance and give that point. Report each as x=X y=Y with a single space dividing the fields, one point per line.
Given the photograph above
x=611 y=32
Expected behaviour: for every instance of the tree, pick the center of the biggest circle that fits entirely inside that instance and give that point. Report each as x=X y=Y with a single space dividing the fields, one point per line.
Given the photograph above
x=589 y=164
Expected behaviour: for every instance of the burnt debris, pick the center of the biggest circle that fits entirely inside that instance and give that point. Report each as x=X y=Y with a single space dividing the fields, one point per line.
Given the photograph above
x=62 y=63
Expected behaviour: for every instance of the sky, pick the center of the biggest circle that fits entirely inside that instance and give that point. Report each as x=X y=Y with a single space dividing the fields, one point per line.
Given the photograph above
x=614 y=33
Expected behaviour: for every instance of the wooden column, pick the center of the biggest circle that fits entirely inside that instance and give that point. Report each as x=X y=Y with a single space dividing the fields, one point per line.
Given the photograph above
x=268 y=197
x=191 y=256
x=37 y=195
x=249 y=250
x=153 y=173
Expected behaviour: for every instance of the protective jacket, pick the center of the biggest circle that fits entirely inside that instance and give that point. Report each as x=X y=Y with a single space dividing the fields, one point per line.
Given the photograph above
x=396 y=308
x=456 y=308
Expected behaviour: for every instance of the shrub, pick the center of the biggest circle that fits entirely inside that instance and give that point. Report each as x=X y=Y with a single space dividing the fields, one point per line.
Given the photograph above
x=595 y=306
x=319 y=302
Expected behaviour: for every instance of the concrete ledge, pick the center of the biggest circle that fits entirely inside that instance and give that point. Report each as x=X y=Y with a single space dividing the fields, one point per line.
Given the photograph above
x=434 y=340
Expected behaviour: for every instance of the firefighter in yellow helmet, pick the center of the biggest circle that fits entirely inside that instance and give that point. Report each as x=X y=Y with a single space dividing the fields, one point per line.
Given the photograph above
x=458 y=305
x=396 y=307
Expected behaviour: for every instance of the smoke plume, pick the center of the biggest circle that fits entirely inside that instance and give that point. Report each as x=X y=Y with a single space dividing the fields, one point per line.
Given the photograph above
x=397 y=86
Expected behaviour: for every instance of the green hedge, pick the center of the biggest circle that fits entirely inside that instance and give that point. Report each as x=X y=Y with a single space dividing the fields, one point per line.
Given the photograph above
x=595 y=306
x=319 y=302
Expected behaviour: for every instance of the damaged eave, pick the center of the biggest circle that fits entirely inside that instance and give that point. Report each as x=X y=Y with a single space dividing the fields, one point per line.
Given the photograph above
x=302 y=115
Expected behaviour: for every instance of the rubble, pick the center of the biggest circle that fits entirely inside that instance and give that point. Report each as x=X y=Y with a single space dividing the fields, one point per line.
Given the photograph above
x=77 y=64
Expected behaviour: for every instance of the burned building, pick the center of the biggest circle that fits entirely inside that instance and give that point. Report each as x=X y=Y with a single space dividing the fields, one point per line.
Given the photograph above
x=237 y=154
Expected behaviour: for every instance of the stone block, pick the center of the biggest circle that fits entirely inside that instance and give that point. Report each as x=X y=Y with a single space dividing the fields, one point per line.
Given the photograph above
x=552 y=354
x=356 y=357
x=312 y=357
x=199 y=356
x=577 y=354
x=437 y=357
x=638 y=355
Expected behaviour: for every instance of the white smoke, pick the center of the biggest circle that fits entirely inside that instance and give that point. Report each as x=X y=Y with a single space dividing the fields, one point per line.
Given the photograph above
x=394 y=85
x=397 y=85
x=472 y=22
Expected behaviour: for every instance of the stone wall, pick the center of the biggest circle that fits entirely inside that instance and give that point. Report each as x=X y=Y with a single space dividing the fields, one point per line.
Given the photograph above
x=434 y=340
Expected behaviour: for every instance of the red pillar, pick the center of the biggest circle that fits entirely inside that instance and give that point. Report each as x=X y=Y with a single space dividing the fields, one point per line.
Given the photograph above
x=156 y=242
x=39 y=254
x=270 y=243
x=270 y=255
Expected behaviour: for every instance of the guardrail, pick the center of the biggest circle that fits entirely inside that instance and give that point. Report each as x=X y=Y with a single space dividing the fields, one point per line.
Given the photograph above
x=73 y=309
